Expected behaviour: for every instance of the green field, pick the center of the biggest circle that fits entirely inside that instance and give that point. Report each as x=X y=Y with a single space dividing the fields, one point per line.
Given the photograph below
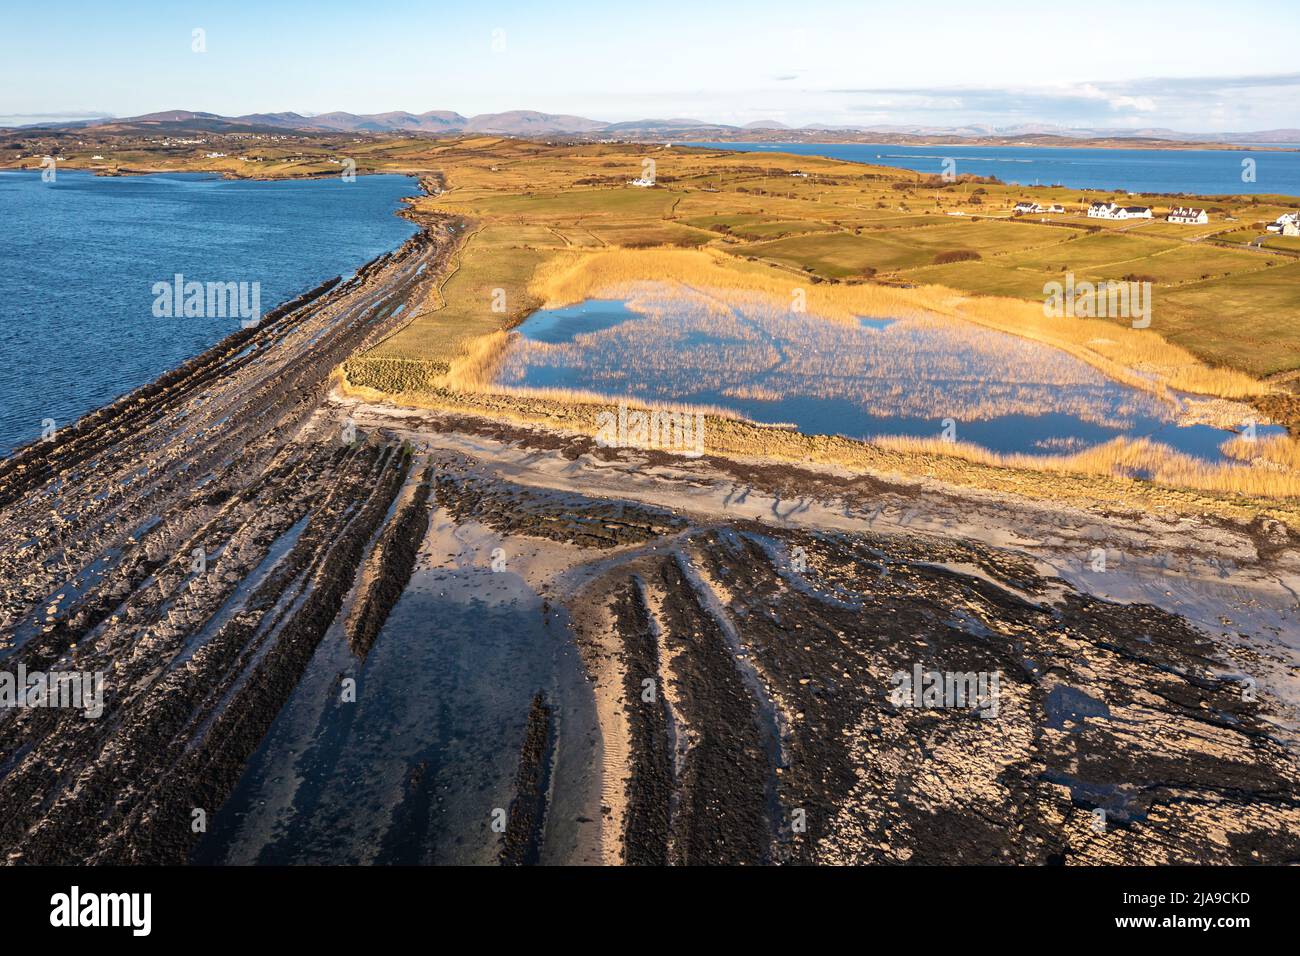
x=1243 y=321
x=839 y=255
x=842 y=222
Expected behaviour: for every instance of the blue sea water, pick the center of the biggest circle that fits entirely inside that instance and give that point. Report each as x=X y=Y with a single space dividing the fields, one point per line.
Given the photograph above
x=1203 y=172
x=79 y=258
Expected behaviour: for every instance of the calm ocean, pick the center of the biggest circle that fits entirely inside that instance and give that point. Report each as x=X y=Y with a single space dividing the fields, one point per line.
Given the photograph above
x=1197 y=171
x=79 y=258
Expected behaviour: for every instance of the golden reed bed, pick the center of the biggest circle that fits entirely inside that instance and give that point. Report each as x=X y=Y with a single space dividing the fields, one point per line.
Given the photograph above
x=1264 y=478
x=1136 y=357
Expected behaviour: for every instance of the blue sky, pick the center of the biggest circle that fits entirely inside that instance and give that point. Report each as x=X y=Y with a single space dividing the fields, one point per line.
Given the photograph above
x=1191 y=65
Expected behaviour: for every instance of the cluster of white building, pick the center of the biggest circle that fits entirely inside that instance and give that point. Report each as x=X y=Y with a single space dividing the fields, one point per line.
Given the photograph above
x=1110 y=210
x=1033 y=209
x=1287 y=224
x=1188 y=216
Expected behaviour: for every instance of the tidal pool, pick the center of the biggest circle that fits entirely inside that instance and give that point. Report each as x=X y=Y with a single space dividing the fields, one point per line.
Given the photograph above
x=878 y=377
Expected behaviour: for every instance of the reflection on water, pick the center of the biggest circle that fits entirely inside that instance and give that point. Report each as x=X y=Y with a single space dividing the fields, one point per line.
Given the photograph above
x=876 y=377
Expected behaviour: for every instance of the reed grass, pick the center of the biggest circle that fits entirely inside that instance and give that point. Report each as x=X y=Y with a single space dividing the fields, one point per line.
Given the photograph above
x=1277 y=450
x=475 y=368
x=1123 y=458
x=924 y=367
x=1117 y=470
x=576 y=399
x=391 y=374
x=1136 y=357
x=1177 y=485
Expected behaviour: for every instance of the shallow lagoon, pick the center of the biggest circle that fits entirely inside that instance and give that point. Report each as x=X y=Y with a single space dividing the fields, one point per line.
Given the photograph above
x=868 y=379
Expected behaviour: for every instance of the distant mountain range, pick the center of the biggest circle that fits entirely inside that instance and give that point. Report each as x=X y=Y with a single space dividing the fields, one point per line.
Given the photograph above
x=514 y=123
x=532 y=123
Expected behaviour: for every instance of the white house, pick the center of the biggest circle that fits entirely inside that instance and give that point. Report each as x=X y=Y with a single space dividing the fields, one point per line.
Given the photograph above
x=642 y=182
x=1109 y=210
x=1026 y=208
x=1287 y=224
x=1188 y=215
x=1056 y=207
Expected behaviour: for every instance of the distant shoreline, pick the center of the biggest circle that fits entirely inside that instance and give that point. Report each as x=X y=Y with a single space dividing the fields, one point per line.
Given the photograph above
x=226 y=174
x=1035 y=142
x=1181 y=173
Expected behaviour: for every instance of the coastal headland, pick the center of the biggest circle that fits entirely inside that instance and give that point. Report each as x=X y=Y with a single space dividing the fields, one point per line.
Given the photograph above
x=580 y=652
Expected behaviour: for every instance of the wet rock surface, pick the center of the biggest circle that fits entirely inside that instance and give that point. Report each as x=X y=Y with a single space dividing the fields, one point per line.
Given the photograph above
x=570 y=519
x=521 y=845
x=1110 y=739
x=190 y=543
